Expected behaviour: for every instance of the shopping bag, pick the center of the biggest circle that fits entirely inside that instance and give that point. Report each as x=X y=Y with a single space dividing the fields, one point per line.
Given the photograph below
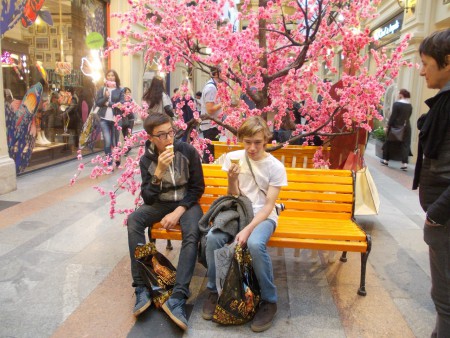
x=367 y=201
x=240 y=294
x=156 y=271
x=88 y=133
x=223 y=258
x=353 y=161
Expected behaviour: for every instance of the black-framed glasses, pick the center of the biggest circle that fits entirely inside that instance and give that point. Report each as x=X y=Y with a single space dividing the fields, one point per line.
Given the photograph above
x=164 y=136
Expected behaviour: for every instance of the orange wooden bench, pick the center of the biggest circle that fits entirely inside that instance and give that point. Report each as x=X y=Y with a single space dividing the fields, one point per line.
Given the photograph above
x=319 y=213
x=291 y=156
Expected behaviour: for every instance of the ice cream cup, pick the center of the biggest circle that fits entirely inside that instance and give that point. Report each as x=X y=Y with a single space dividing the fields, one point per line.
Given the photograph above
x=170 y=147
x=235 y=160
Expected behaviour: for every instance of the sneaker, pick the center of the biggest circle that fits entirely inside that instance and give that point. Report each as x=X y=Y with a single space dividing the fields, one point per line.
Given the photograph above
x=384 y=162
x=404 y=167
x=209 y=306
x=174 y=307
x=264 y=316
x=143 y=300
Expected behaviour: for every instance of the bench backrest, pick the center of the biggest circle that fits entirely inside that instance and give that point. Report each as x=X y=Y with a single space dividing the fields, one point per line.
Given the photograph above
x=314 y=193
x=291 y=156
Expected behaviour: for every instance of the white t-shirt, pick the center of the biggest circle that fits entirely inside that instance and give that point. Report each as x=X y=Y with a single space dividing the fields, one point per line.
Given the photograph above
x=208 y=95
x=109 y=115
x=268 y=172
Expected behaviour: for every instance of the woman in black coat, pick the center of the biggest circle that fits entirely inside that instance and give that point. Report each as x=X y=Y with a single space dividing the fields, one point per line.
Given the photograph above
x=401 y=113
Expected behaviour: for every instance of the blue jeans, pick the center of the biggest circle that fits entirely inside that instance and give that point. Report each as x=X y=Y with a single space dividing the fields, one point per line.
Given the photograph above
x=262 y=264
x=110 y=136
x=147 y=215
x=438 y=240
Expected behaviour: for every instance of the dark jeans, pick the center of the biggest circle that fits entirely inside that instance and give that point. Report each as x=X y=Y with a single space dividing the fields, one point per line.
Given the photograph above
x=438 y=240
x=145 y=217
x=210 y=134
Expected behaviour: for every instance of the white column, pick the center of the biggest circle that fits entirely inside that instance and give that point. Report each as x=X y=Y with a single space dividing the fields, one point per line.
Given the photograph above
x=7 y=167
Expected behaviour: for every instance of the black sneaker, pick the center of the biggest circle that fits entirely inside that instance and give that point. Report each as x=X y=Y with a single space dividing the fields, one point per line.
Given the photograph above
x=264 y=316
x=143 y=300
x=209 y=306
x=384 y=162
x=174 y=307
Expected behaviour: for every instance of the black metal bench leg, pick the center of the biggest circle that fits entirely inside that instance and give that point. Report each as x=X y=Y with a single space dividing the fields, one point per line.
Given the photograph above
x=169 y=245
x=343 y=257
x=364 y=256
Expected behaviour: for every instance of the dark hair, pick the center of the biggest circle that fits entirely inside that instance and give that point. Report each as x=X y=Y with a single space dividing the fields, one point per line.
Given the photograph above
x=199 y=94
x=214 y=71
x=125 y=89
x=154 y=120
x=405 y=93
x=116 y=76
x=154 y=93
x=287 y=123
x=437 y=45
x=175 y=90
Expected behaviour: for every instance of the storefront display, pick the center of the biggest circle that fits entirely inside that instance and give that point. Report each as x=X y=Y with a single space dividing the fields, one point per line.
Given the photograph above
x=45 y=43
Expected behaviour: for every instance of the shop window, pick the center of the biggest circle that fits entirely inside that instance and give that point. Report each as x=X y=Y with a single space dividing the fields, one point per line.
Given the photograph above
x=58 y=127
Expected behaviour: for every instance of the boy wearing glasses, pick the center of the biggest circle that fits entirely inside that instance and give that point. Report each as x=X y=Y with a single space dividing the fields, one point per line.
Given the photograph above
x=172 y=184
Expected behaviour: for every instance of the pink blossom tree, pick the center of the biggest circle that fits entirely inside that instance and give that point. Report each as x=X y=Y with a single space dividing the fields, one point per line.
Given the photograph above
x=276 y=60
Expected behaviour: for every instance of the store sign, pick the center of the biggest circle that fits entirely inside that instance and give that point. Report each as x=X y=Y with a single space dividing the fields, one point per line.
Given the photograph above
x=388 y=29
x=94 y=40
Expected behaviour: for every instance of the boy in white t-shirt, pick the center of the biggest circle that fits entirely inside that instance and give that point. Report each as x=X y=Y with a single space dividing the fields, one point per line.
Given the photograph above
x=262 y=188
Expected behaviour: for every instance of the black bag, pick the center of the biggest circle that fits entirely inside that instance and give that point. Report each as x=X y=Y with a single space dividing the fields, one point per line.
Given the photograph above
x=240 y=294
x=396 y=134
x=156 y=271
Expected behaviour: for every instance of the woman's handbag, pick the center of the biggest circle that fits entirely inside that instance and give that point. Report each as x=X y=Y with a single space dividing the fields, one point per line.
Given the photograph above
x=156 y=271
x=240 y=294
x=396 y=134
x=90 y=129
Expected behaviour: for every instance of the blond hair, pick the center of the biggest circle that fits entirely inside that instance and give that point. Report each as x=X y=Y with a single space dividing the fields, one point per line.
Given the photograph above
x=252 y=126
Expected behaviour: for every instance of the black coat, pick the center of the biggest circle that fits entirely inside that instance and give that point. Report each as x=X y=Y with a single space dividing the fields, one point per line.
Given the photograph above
x=185 y=186
x=401 y=113
x=434 y=170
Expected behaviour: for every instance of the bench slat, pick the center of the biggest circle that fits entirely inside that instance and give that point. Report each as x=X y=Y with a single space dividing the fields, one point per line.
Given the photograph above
x=317 y=245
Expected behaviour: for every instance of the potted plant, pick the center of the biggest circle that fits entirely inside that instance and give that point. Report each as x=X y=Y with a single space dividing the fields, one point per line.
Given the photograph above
x=379 y=136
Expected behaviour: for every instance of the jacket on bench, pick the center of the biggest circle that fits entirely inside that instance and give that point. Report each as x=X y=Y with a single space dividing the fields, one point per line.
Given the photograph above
x=229 y=214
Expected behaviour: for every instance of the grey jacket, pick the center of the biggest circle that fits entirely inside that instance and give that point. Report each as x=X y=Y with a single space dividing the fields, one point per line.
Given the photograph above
x=227 y=213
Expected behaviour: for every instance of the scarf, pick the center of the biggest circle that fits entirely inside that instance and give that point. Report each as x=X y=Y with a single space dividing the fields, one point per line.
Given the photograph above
x=110 y=84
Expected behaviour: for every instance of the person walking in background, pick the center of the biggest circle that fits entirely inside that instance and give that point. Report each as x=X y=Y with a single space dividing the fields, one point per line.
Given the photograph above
x=157 y=99
x=210 y=106
x=432 y=174
x=401 y=113
x=106 y=97
x=127 y=121
x=186 y=98
x=198 y=103
x=259 y=176
x=172 y=185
